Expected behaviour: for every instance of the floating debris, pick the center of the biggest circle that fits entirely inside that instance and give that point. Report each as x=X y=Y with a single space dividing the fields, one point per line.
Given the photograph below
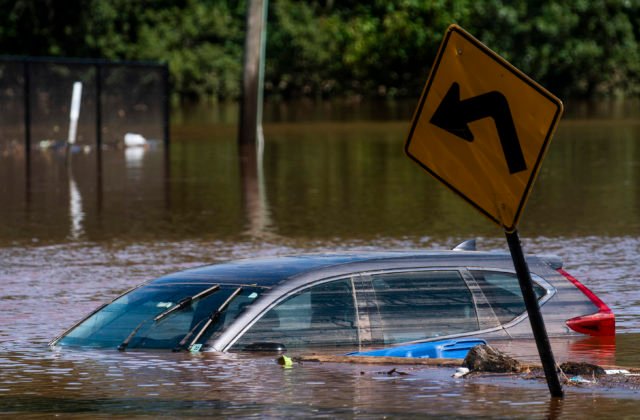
x=484 y=358
x=134 y=140
x=461 y=372
x=442 y=349
x=285 y=362
x=580 y=380
x=394 y=371
x=581 y=368
x=617 y=372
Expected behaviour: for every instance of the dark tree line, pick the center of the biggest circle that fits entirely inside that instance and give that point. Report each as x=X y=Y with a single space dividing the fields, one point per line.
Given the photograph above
x=327 y=48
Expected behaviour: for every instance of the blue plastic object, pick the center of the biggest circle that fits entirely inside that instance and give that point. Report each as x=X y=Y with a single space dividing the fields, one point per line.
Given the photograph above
x=444 y=349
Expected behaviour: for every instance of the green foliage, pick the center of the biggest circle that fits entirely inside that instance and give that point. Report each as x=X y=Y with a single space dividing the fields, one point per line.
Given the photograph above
x=30 y=27
x=321 y=48
x=301 y=49
x=585 y=48
x=201 y=41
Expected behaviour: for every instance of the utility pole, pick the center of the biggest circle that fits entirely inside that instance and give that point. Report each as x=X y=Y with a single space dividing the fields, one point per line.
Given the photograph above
x=250 y=138
x=250 y=130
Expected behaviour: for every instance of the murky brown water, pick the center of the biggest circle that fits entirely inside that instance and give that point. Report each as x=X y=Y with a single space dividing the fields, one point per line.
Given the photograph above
x=70 y=240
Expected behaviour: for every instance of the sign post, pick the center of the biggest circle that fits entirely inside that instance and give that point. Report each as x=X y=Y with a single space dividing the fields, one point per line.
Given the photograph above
x=535 y=317
x=482 y=127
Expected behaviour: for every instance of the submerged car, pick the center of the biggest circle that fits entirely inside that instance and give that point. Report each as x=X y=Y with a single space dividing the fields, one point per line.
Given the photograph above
x=352 y=300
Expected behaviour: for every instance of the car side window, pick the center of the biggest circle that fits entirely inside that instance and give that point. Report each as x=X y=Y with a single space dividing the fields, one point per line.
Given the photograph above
x=503 y=293
x=423 y=305
x=320 y=316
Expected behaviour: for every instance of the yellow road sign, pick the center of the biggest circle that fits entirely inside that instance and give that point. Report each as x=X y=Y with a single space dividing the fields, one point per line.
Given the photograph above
x=482 y=127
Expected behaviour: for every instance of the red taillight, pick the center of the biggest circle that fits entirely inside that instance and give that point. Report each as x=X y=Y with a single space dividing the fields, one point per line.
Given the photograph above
x=602 y=323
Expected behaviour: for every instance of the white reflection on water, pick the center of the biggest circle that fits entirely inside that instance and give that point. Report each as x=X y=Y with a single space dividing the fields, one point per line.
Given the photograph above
x=134 y=156
x=75 y=208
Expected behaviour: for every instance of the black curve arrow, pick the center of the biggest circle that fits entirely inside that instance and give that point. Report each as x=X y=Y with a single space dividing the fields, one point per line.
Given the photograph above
x=453 y=115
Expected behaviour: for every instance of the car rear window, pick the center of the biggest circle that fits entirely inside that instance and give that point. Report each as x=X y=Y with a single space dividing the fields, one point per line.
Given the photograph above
x=503 y=293
x=423 y=305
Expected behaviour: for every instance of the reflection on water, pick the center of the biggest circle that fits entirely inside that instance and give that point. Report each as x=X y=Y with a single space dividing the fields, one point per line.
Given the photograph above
x=75 y=208
x=254 y=195
x=598 y=350
x=181 y=384
x=320 y=180
x=73 y=238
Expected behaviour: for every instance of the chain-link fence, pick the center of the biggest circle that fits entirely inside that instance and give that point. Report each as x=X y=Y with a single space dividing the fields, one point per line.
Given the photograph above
x=117 y=98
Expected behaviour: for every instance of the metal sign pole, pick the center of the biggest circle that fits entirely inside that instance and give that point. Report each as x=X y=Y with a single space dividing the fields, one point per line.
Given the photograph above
x=535 y=317
x=27 y=109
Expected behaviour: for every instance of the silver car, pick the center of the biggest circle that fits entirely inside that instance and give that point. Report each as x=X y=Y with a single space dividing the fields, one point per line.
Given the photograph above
x=352 y=301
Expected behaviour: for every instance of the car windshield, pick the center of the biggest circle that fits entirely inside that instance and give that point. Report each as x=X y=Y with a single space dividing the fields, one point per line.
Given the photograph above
x=142 y=318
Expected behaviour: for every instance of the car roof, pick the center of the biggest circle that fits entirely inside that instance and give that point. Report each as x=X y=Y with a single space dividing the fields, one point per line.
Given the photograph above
x=269 y=271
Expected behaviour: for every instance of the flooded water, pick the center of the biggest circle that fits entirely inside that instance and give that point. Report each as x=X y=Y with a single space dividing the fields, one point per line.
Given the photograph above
x=333 y=178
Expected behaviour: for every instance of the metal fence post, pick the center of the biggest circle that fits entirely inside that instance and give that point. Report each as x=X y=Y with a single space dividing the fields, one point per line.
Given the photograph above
x=27 y=107
x=98 y=107
x=166 y=106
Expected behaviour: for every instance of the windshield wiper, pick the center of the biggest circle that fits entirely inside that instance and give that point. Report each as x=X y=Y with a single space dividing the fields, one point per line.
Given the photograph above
x=186 y=301
x=125 y=343
x=209 y=320
x=181 y=304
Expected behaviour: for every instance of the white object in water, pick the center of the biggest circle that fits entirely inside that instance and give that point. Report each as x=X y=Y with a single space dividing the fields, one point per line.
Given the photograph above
x=45 y=144
x=75 y=112
x=616 y=371
x=134 y=140
x=460 y=372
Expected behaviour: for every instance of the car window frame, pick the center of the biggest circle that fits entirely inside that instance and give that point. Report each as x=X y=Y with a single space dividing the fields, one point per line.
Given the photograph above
x=359 y=281
x=281 y=299
x=232 y=335
x=465 y=279
x=539 y=280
